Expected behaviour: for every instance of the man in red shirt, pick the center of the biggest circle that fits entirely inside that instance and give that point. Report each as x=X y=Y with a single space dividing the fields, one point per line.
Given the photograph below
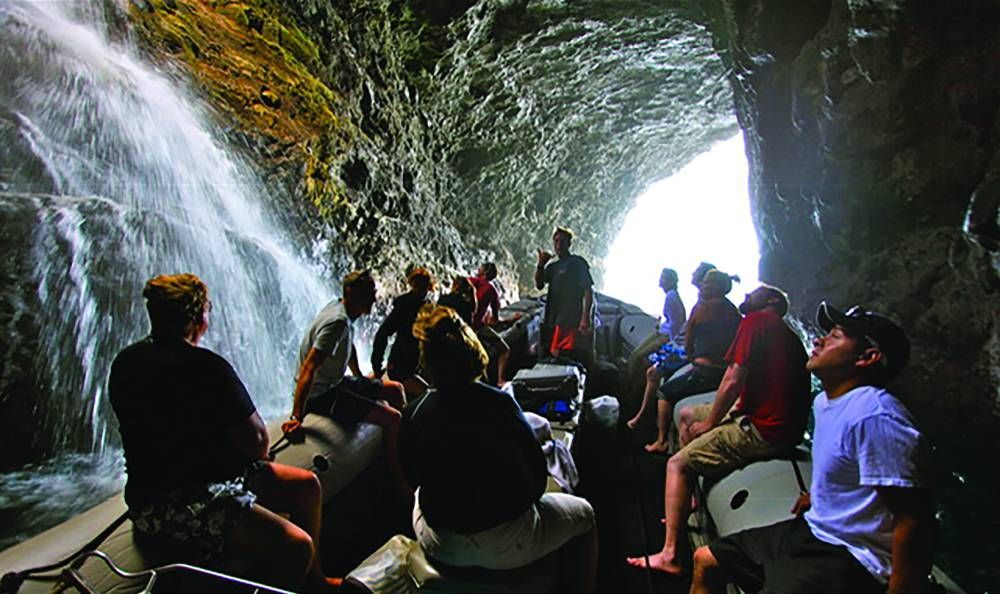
x=487 y=314
x=760 y=411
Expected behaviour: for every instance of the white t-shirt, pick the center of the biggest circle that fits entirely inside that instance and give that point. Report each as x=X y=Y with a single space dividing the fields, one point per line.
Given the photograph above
x=331 y=332
x=865 y=438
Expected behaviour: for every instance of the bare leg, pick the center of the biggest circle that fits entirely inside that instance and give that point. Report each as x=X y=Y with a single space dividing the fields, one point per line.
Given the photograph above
x=283 y=553
x=676 y=509
x=298 y=493
x=502 y=360
x=578 y=563
x=389 y=419
x=652 y=382
x=707 y=578
x=663 y=410
x=393 y=393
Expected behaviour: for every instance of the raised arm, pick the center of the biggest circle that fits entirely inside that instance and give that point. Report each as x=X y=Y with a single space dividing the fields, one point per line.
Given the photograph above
x=913 y=528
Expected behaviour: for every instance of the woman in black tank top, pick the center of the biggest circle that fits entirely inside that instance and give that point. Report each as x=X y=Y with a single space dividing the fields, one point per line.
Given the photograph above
x=708 y=333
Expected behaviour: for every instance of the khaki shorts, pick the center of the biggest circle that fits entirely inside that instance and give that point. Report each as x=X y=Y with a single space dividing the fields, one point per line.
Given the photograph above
x=731 y=444
x=547 y=525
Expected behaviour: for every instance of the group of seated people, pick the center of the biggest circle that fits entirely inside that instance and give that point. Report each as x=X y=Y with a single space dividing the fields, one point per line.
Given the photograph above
x=197 y=452
x=866 y=523
x=476 y=300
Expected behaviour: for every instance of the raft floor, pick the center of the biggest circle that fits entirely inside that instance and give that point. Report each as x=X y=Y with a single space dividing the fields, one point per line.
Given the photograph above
x=629 y=505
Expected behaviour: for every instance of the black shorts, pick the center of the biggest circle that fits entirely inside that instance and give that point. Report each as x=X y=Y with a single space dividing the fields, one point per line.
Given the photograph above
x=786 y=558
x=349 y=401
x=700 y=379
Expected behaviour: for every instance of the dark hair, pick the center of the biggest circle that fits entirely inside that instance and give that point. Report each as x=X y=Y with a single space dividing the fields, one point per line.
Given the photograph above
x=565 y=231
x=699 y=273
x=175 y=302
x=460 y=285
x=491 y=270
x=356 y=278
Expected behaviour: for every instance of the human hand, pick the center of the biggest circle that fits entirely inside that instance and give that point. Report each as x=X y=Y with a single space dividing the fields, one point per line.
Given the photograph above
x=802 y=504
x=543 y=257
x=584 y=327
x=291 y=426
x=698 y=428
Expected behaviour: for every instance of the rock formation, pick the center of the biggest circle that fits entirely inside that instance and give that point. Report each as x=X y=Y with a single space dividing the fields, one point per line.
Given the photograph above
x=872 y=133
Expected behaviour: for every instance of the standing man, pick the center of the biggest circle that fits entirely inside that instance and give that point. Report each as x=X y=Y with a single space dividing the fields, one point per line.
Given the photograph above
x=870 y=520
x=487 y=314
x=570 y=302
x=322 y=385
x=766 y=372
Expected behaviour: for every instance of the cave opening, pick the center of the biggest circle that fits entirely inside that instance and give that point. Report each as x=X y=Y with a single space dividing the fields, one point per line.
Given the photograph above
x=701 y=213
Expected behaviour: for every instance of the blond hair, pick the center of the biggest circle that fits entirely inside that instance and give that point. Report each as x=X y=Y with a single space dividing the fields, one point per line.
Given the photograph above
x=449 y=350
x=175 y=302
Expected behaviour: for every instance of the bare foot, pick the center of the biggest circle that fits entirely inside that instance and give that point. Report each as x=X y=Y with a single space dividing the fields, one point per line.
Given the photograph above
x=658 y=562
x=632 y=422
x=658 y=447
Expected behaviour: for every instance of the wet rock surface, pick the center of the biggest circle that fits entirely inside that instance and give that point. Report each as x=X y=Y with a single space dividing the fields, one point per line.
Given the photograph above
x=872 y=133
x=872 y=136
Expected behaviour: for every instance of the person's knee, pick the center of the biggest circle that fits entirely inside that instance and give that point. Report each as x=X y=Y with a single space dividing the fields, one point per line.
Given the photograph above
x=309 y=487
x=385 y=415
x=677 y=465
x=297 y=551
x=394 y=393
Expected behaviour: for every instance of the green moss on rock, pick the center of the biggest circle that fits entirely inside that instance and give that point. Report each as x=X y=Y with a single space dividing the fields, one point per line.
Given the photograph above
x=259 y=69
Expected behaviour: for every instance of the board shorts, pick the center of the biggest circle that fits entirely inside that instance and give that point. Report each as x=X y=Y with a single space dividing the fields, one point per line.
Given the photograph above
x=349 y=401
x=701 y=378
x=200 y=516
x=563 y=339
x=731 y=444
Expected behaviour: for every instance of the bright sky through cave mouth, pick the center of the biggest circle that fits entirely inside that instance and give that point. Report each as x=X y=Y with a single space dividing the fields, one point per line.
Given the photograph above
x=700 y=213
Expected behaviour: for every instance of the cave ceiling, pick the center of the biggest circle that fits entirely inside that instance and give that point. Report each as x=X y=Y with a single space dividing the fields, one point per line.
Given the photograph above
x=562 y=113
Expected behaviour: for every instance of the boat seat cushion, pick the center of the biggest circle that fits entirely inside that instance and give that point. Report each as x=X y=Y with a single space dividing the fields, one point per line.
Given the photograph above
x=400 y=566
x=337 y=455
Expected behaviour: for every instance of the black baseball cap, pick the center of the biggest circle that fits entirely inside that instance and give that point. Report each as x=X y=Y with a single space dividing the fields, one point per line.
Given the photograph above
x=883 y=333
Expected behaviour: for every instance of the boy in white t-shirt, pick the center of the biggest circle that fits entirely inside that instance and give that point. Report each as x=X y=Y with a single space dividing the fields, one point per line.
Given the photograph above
x=870 y=519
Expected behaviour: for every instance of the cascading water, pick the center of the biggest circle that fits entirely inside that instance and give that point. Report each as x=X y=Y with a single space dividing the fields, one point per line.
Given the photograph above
x=109 y=175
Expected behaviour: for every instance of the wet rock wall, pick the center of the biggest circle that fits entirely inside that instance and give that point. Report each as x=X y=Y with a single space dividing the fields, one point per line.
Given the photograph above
x=872 y=134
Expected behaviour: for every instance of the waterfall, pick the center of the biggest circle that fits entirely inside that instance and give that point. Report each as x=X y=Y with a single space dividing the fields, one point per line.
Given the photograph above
x=111 y=173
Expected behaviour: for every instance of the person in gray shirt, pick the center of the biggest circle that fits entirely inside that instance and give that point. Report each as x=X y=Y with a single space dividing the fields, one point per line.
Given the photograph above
x=323 y=386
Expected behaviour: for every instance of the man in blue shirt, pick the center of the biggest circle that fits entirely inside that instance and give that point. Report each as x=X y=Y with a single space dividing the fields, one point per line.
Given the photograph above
x=869 y=522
